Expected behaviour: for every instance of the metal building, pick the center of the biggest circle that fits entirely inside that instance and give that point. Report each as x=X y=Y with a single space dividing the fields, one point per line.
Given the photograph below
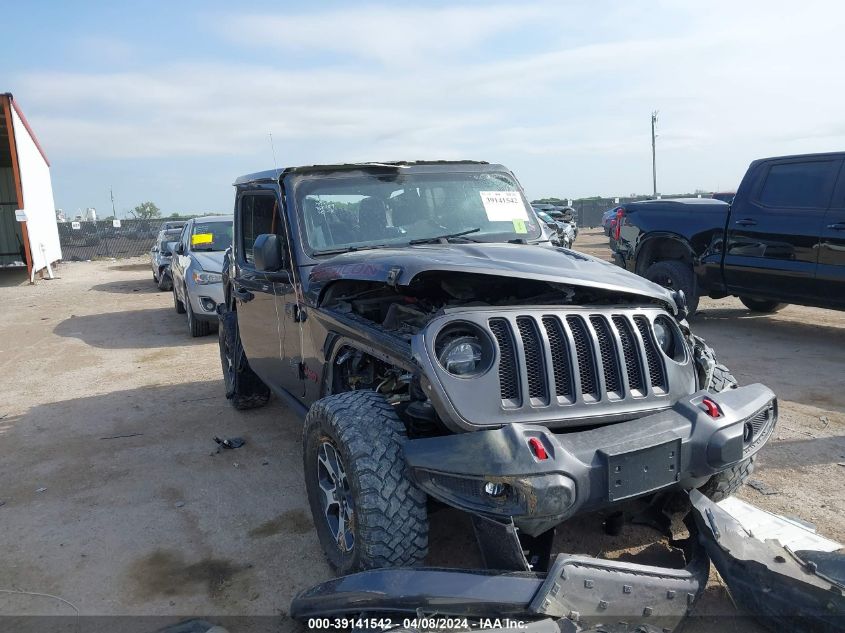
x=28 y=232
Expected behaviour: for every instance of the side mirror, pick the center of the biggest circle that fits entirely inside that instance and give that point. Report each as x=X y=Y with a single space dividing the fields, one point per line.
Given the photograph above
x=267 y=252
x=180 y=249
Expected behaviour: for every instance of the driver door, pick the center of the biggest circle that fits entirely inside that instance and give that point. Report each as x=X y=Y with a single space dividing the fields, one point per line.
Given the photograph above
x=260 y=296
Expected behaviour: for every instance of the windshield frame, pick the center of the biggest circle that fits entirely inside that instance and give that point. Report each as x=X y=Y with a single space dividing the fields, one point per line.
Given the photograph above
x=303 y=181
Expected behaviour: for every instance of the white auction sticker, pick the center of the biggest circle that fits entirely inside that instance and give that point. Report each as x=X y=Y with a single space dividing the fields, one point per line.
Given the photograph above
x=503 y=206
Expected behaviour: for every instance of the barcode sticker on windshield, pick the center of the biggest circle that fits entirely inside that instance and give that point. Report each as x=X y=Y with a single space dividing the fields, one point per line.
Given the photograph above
x=503 y=206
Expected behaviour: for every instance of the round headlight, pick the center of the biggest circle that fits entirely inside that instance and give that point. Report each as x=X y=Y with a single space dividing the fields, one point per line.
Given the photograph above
x=461 y=356
x=663 y=335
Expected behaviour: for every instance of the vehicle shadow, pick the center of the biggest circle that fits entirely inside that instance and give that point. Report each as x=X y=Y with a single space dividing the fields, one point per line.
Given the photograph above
x=132 y=329
x=129 y=286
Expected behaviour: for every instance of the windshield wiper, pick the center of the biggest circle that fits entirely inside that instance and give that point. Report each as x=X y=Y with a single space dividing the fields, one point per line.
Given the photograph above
x=350 y=249
x=442 y=238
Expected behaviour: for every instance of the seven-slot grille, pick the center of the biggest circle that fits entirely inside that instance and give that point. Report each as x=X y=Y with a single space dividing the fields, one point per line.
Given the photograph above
x=577 y=357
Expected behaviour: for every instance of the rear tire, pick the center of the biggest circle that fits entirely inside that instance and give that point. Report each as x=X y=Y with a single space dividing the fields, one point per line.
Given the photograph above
x=385 y=521
x=674 y=274
x=727 y=482
x=244 y=389
x=762 y=305
x=177 y=304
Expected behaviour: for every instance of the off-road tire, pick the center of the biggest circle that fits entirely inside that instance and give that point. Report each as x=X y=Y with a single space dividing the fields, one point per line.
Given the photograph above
x=244 y=389
x=729 y=481
x=676 y=275
x=177 y=304
x=389 y=520
x=762 y=305
x=197 y=327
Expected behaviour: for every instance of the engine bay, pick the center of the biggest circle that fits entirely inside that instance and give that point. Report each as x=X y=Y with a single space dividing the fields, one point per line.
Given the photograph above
x=404 y=311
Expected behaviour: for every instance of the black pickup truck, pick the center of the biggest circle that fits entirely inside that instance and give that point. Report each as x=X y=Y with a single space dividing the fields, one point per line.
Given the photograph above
x=781 y=240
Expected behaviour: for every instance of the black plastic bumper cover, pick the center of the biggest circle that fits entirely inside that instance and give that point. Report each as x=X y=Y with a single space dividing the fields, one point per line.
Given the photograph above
x=577 y=589
x=787 y=591
x=588 y=469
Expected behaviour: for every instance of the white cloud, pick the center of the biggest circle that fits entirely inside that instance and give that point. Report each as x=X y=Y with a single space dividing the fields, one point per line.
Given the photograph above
x=391 y=34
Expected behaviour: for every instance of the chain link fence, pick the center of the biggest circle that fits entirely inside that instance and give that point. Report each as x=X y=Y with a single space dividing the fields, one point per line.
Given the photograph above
x=106 y=238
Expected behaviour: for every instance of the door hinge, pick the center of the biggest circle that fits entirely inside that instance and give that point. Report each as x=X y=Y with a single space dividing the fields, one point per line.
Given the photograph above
x=295 y=312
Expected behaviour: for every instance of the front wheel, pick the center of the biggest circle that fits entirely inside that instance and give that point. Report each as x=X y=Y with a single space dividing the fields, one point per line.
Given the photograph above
x=674 y=274
x=177 y=303
x=762 y=305
x=366 y=510
x=196 y=327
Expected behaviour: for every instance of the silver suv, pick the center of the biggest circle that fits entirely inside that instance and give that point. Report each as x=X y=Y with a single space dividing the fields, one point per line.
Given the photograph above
x=160 y=256
x=196 y=270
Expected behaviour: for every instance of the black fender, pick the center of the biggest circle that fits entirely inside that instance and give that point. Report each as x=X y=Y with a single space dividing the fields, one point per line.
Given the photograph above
x=649 y=240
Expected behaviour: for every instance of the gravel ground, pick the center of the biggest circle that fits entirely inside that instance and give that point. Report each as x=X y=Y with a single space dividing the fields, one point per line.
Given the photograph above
x=114 y=497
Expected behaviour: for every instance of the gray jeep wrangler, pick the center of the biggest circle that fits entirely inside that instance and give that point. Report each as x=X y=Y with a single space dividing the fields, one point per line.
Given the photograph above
x=439 y=348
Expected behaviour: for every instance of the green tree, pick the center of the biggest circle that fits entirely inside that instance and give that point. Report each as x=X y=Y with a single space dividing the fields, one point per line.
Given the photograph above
x=146 y=211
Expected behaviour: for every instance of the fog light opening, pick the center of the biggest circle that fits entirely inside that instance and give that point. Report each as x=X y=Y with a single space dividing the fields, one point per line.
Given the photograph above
x=208 y=304
x=495 y=489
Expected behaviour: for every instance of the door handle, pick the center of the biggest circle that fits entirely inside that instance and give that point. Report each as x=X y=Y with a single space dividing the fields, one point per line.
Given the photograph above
x=242 y=295
x=839 y=226
x=746 y=222
x=295 y=312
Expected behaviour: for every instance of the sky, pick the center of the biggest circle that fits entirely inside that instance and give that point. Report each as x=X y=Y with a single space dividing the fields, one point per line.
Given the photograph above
x=171 y=101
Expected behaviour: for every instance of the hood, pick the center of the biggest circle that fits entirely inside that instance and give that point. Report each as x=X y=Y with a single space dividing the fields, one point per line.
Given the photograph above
x=398 y=266
x=211 y=261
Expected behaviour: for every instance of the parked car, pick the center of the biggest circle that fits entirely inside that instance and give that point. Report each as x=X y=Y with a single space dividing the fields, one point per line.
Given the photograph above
x=173 y=224
x=607 y=219
x=437 y=346
x=196 y=270
x=781 y=240
x=160 y=255
x=724 y=196
x=559 y=233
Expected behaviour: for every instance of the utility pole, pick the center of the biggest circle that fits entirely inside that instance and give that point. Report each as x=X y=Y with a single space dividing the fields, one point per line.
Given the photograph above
x=653 y=152
x=114 y=213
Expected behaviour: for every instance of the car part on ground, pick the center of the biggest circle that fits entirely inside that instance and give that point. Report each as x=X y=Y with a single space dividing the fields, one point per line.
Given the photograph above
x=577 y=594
x=787 y=590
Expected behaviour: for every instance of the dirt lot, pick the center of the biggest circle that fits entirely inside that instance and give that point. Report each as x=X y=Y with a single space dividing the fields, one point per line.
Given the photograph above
x=113 y=497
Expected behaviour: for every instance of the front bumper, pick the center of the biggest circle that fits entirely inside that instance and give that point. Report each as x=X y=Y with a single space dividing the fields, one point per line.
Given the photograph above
x=497 y=473
x=204 y=299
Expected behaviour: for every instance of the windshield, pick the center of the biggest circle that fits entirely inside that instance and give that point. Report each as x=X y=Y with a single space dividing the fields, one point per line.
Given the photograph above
x=211 y=236
x=170 y=235
x=347 y=212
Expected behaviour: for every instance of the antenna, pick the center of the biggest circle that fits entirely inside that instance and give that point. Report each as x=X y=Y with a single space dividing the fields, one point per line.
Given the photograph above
x=273 y=149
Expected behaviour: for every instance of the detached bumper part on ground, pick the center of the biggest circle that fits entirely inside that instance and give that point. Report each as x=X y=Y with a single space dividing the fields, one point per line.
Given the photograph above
x=577 y=594
x=788 y=591
x=499 y=472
